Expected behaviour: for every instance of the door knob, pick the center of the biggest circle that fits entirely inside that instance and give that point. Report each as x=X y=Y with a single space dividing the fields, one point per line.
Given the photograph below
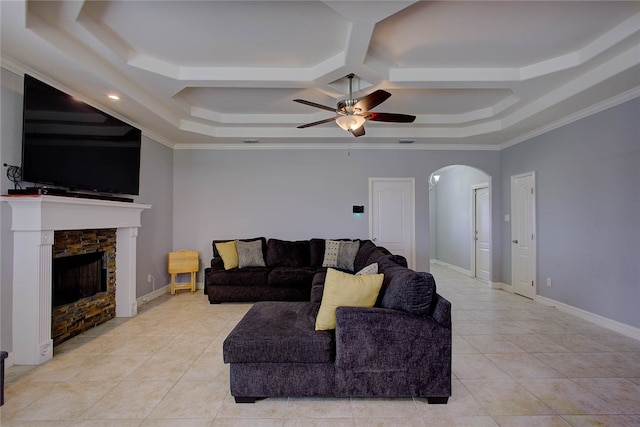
x=514 y=241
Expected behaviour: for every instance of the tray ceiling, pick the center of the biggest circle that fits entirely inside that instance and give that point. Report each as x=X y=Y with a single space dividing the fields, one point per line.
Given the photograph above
x=476 y=74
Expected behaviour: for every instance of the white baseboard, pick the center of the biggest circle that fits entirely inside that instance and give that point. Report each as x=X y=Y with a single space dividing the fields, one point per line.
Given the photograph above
x=451 y=267
x=621 y=328
x=152 y=295
x=159 y=292
x=504 y=286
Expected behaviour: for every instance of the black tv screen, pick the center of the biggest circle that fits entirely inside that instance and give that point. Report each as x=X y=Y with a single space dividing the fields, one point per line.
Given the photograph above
x=71 y=145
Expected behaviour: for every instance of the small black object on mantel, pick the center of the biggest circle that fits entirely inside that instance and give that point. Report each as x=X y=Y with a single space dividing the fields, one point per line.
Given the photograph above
x=14 y=174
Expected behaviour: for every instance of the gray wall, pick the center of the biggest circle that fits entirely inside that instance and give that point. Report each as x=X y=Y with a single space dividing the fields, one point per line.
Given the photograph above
x=588 y=211
x=155 y=237
x=452 y=214
x=10 y=153
x=156 y=188
x=299 y=194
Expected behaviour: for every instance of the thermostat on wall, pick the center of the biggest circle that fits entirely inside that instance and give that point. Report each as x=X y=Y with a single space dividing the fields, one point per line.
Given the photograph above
x=358 y=209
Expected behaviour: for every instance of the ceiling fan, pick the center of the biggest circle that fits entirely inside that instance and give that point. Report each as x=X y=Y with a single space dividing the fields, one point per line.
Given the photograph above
x=352 y=113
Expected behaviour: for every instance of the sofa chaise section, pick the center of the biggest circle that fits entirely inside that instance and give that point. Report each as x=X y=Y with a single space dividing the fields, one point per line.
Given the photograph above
x=400 y=347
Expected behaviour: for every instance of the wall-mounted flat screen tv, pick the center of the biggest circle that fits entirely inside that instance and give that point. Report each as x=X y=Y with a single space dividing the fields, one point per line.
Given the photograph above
x=74 y=146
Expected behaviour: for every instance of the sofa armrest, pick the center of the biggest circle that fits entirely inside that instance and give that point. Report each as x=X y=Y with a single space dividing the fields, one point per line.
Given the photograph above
x=217 y=263
x=380 y=339
x=441 y=310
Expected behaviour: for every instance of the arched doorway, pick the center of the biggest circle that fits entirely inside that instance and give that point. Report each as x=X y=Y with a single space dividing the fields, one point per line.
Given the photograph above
x=460 y=220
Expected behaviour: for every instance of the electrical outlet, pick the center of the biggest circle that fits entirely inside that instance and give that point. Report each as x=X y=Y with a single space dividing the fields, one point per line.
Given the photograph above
x=149 y=278
x=549 y=281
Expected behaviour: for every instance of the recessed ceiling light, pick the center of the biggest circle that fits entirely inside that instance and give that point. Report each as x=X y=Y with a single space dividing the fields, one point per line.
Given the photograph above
x=114 y=97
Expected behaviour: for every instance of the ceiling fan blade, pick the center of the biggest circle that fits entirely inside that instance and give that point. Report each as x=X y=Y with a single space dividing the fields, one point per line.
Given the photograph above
x=372 y=100
x=390 y=117
x=313 y=104
x=357 y=132
x=330 y=119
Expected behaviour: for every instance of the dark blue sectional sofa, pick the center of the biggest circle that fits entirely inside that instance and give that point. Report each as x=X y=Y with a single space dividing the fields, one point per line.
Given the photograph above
x=400 y=347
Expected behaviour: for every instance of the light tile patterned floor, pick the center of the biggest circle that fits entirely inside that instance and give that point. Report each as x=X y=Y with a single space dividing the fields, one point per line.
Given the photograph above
x=515 y=363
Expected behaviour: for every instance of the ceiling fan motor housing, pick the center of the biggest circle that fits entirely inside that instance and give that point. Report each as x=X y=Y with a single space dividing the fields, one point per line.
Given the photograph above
x=346 y=106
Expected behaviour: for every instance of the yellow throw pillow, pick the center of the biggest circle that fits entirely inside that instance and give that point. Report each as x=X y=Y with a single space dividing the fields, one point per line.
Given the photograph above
x=228 y=253
x=343 y=289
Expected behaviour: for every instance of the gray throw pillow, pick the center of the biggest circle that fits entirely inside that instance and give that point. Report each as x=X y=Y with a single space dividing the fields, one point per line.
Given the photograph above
x=250 y=254
x=347 y=254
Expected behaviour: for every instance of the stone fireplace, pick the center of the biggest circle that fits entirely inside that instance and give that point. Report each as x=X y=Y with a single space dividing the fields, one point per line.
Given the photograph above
x=35 y=219
x=83 y=281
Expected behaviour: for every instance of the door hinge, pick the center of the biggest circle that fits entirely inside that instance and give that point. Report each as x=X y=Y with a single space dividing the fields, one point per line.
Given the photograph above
x=531 y=190
x=532 y=283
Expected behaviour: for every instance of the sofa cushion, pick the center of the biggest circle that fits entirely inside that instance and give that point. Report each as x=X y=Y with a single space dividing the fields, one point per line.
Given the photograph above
x=289 y=277
x=317 y=287
x=378 y=253
x=389 y=273
x=387 y=262
x=279 y=332
x=250 y=276
x=250 y=254
x=284 y=253
x=228 y=253
x=344 y=289
x=366 y=249
x=316 y=252
x=409 y=291
x=400 y=260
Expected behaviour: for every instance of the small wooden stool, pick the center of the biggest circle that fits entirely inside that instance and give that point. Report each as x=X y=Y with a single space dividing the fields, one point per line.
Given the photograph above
x=183 y=262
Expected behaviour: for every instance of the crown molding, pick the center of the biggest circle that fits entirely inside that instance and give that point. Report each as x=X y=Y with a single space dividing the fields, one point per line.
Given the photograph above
x=589 y=111
x=339 y=146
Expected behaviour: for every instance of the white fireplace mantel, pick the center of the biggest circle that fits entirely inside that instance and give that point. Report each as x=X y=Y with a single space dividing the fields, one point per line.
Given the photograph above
x=34 y=220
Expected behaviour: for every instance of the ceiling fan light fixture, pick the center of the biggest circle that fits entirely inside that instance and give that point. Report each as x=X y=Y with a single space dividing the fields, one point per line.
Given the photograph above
x=350 y=122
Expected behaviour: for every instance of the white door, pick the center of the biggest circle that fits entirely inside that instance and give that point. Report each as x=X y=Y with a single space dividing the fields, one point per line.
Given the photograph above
x=523 y=247
x=392 y=217
x=481 y=245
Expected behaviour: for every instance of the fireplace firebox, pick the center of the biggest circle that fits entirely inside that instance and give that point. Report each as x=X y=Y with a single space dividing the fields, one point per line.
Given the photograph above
x=78 y=276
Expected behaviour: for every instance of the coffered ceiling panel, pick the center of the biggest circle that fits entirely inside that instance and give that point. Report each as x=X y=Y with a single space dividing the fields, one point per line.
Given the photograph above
x=225 y=34
x=485 y=34
x=475 y=74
